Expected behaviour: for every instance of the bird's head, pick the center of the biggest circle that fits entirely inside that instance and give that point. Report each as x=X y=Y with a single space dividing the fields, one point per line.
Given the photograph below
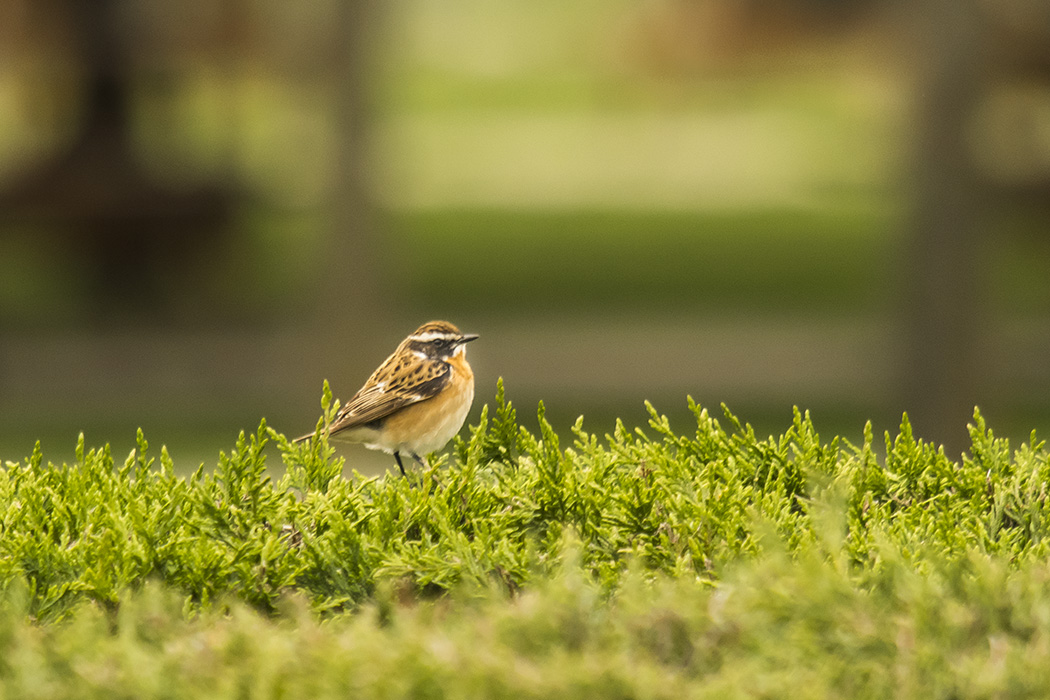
x=439 y=340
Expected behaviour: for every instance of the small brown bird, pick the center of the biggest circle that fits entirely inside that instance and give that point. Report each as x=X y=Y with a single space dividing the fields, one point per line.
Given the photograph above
x=417 y=399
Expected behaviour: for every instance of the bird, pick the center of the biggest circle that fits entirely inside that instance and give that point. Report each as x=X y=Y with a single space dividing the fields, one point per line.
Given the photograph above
x=416 y=401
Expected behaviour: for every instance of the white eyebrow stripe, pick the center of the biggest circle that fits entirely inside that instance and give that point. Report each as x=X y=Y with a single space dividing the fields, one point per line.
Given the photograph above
x=431 y=336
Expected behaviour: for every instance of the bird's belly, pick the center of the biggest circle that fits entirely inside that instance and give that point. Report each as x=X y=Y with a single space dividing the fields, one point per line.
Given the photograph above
x=429 y=425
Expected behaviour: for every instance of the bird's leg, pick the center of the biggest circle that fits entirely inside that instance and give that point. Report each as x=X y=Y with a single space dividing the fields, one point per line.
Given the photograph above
x=397 y=458
x=419 y=459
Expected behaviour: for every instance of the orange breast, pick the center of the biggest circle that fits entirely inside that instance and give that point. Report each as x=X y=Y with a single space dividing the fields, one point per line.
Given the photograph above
x=429 y=425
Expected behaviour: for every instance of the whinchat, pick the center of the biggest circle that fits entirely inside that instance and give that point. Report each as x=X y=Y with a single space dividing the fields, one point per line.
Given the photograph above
x=417 y=399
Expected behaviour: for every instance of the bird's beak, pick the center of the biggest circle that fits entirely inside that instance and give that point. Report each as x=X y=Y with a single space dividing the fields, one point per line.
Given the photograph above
x=467 y=337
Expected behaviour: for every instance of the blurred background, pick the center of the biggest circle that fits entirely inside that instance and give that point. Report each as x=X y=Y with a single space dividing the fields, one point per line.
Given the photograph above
x=207 y=207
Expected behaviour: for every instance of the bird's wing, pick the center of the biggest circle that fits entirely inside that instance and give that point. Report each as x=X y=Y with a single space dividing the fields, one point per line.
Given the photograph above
x=378 y=399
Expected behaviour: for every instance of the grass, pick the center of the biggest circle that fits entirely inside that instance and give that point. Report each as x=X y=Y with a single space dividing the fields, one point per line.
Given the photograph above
x=648 y=563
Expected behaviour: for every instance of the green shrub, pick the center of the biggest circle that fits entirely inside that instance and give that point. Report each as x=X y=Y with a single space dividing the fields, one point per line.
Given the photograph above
x=497 y=512
x=645 y=564
x=774 y=626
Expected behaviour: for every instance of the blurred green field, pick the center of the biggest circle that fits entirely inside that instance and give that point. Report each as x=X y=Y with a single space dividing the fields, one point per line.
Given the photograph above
x=610 y=166
x=521 y=262
x=516 y=269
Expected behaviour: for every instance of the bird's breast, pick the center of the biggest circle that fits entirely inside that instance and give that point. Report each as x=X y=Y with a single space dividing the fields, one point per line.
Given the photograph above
x=428 y=425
